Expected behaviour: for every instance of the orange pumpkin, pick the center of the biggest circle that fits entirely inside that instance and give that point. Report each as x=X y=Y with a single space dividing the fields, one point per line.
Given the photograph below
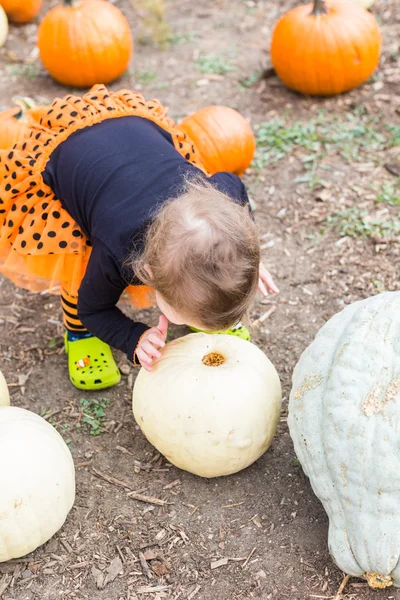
x=14 y=122
x=84 y=42
x=223 y=138
x=324 y=49
x=21 y=11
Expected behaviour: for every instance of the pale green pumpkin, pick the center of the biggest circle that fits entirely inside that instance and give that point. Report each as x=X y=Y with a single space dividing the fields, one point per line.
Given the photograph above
x=344 y=419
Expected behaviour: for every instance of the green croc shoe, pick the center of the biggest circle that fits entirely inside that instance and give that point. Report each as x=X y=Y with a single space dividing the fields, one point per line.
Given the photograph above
x=91 y=364
x=238 y=330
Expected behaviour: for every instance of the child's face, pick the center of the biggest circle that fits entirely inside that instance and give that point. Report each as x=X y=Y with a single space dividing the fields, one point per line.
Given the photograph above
x=172 y=315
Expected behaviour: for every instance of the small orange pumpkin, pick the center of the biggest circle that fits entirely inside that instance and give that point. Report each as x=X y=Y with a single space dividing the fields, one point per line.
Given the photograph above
x=14 y=122
x=323 y=49
x=21 y=11
x=223 y=138
x=84 y=42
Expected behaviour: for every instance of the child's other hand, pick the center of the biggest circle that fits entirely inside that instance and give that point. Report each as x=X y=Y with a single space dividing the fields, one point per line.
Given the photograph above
x=150 y=343
x=266 y=283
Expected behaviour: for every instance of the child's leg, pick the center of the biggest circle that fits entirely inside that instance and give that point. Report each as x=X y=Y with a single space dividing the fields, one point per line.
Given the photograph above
x=91 y=364
x=72 y=323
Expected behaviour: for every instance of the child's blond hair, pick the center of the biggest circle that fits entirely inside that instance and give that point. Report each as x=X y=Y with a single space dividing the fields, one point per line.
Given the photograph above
x=202 y=254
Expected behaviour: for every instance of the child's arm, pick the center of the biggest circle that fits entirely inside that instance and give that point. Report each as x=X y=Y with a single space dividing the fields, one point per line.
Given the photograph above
x=98 y=295
x=266 y=283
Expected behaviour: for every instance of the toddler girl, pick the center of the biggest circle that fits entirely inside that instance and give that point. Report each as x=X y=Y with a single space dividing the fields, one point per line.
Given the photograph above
x=108 y=194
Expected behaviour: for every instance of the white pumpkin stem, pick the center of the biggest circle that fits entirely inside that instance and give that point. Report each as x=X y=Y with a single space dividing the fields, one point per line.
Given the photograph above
x=24 y=104
x=213 y=359
x=378 y=582
x=319 y=8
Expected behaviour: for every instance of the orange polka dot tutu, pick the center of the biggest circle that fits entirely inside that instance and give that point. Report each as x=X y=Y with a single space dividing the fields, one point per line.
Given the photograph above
x=42 y=248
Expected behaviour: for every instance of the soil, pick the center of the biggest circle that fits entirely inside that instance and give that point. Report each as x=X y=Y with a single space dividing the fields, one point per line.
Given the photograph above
x=266 y=519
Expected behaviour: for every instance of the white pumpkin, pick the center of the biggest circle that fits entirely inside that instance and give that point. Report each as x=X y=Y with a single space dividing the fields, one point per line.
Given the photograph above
x=4 y=393
x=211 y=404
x=3 y=26
x=37 y=482
x=344 y=419
x=364 y=3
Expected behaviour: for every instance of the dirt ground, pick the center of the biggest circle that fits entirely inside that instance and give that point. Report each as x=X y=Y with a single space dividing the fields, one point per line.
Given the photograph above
x=327 y=241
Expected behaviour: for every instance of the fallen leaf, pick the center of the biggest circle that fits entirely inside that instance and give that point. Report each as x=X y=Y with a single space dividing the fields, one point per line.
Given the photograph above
x=113 y=570
x=98 y=577
x=159 y=568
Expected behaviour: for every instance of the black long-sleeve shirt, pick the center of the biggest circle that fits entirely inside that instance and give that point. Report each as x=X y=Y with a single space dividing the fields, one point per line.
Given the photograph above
x=111 y=178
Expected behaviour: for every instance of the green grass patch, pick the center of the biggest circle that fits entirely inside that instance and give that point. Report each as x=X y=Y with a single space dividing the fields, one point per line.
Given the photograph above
x=354 y=222
x=214 y=64
x=93 y=415
x=390 y=193
x=178 y=39
x=145 y=77
x=355 y=136
x=27 y=71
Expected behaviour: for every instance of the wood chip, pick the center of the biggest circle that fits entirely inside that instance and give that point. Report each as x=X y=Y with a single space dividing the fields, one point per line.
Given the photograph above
x=195 y=591
x=78 y=565
x=150 y=589
x=4 y=583
x=150 y=555
x=145 y=566
x=219 y=563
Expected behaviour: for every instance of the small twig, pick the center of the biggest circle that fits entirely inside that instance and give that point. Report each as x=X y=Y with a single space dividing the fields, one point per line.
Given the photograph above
x=265 y=316
x=80 y=565
x=341 y=588
x=232 y=505
x=112 y=480
x=149 y=499
x=246 y=562
x=133 y=494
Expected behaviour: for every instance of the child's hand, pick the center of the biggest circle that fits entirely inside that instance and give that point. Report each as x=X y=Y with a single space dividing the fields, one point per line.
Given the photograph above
x=150 y=342
x=266 y=283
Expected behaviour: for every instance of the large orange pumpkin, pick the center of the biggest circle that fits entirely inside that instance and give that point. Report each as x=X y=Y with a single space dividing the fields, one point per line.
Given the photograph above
x=21 y=11
x=14 y=123
x=223 y=138
x=84 y=42
x=324 y=49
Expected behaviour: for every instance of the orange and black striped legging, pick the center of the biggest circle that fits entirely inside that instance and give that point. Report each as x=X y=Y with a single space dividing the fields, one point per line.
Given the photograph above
x=70 y=309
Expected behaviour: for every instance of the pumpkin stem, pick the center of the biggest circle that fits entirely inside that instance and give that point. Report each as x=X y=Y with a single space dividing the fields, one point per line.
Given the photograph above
x=213 y=359
x=24 y=104
x=71 y=2
x=377 y=581
x=319 y=8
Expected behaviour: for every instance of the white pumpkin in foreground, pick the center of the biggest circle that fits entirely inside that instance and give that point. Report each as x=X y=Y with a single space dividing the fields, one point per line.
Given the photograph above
x=37 y=476
x=364 y=3
x=344 y=419
x=4 y=393
x=210 y=405
x=3 y=26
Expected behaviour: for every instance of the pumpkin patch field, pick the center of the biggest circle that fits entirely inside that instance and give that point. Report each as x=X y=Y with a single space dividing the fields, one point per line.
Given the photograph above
x=323 y=175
